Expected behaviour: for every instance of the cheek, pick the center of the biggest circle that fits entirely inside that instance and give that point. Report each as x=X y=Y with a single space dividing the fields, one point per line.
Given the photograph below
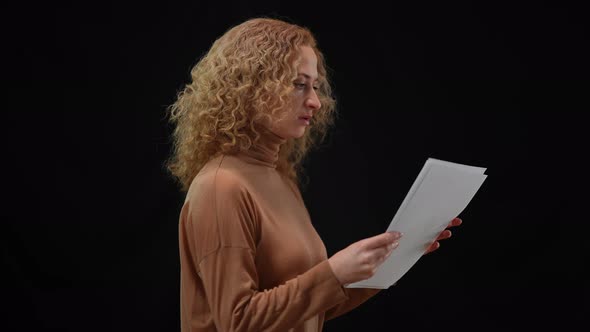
x=288 y=110
x=296 y=101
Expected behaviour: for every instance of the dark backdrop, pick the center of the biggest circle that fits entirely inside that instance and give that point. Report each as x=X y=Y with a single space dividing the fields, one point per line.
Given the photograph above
x=89 y=234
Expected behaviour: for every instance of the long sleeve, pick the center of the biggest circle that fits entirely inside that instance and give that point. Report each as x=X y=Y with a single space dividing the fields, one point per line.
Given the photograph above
x=237 y=304
x=223 y=229
x=356 y=297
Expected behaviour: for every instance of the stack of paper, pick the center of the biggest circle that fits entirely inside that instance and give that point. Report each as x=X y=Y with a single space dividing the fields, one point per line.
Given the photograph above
x=440 y=193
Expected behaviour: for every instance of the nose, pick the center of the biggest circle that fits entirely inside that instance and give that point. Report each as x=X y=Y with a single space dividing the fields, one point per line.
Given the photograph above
x=313 y=101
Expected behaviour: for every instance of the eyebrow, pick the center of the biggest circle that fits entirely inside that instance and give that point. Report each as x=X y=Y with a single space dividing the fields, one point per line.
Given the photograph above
x=308 y=76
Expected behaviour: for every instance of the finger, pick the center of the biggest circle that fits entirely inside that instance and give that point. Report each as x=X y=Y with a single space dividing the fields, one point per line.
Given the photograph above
x=381 y=253
x=386 y=257
x=455 y=222
x=432 y=247
x=444 y=235
x=380 y=240
x=382 y=257
x=391 y=247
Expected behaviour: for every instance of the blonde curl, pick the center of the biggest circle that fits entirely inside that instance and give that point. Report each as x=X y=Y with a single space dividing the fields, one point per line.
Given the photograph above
x=246 y=78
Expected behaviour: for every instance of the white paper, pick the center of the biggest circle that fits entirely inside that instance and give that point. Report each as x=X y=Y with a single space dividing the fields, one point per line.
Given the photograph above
x=440 y=193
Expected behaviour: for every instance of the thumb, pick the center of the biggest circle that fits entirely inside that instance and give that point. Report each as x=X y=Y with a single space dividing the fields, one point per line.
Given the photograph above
x=381 y=240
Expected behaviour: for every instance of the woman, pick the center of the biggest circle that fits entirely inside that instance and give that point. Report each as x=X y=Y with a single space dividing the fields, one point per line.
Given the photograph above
x=250 y=257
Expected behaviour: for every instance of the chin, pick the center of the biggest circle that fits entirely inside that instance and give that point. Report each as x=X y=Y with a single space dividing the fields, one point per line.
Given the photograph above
x=299 y=134
x=293 y=133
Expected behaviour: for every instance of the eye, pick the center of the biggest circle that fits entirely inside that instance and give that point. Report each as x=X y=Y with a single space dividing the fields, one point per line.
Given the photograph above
x=316 y=88
x=300 y=86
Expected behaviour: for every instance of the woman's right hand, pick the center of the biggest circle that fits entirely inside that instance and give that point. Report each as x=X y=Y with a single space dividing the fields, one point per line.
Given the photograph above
x=360 y=260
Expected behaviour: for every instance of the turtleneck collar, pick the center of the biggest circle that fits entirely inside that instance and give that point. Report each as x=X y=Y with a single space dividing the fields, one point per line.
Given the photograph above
x=265 y=151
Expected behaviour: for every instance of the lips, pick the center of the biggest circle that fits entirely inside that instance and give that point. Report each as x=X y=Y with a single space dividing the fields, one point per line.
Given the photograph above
x=306 y=117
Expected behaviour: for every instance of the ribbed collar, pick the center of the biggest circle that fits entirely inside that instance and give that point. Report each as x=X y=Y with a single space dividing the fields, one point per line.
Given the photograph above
x=265 y=151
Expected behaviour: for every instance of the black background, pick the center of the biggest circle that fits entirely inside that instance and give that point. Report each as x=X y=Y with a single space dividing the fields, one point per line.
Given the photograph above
x=89 y=239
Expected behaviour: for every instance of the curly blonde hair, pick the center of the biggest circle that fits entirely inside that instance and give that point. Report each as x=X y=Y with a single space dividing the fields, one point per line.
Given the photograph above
x=245 y=78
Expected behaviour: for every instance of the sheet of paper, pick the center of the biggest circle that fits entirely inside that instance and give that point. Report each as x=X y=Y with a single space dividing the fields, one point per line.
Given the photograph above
x=440 y=193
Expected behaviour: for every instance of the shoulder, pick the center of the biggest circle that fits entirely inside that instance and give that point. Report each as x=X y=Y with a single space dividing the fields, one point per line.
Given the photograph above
x=220 y=210
x=216 y=180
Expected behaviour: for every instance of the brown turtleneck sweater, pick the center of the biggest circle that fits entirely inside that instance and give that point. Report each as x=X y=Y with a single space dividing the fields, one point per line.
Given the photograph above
x=250 y=258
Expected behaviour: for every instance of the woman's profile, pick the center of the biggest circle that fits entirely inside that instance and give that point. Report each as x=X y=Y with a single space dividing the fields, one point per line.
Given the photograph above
x=250 y=257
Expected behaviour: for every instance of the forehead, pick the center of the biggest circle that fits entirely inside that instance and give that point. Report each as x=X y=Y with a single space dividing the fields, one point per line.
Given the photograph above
x=308 y=63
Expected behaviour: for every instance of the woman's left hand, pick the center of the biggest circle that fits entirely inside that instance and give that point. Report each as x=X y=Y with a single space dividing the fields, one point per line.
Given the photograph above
x=443 y=235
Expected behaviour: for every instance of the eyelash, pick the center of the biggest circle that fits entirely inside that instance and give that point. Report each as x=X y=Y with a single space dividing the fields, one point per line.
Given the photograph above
x=302 y=85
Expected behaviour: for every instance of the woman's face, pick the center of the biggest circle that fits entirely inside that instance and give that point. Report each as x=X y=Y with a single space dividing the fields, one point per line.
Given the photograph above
x=305 y=99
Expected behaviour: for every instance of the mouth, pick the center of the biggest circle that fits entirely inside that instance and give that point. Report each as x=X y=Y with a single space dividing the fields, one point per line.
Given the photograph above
x=305 y=120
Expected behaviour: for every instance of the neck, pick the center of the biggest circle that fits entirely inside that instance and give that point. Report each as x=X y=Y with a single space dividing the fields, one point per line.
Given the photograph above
x=265 y=151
